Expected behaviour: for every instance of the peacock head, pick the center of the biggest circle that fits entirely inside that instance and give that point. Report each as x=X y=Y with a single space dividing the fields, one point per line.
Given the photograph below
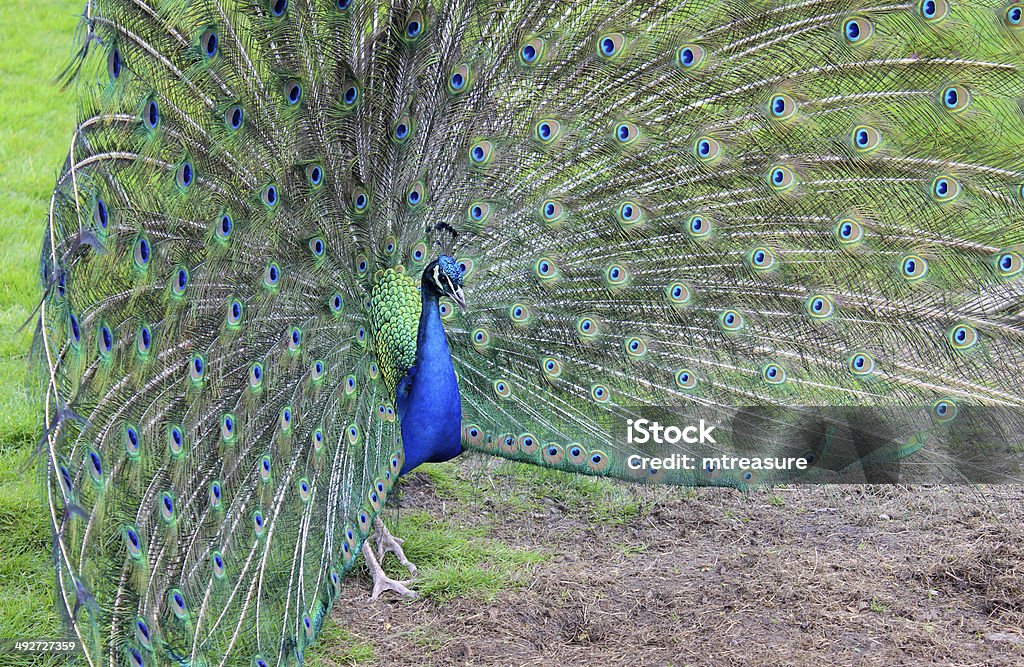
x=444 y=276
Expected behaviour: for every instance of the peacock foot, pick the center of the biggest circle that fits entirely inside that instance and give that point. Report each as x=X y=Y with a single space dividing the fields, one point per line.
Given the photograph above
x=387 y=542
x=381 y=582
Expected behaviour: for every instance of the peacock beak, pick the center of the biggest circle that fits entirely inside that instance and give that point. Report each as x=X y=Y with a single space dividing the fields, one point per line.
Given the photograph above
x=459 y=298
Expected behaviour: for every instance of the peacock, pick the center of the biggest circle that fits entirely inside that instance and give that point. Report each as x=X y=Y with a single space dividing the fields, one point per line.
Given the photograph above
x=299 y=248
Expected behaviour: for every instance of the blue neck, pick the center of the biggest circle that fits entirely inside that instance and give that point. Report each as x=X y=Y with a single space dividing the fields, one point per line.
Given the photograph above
x=427 y=397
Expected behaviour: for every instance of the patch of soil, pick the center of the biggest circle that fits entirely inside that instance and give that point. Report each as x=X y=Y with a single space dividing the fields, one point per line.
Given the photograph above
x=853 y=575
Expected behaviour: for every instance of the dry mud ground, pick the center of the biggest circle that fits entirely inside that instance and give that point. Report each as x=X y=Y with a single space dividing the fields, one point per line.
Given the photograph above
x=854 y=575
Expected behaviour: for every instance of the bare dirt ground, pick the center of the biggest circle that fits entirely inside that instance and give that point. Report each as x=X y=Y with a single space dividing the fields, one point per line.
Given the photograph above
x=856 y=575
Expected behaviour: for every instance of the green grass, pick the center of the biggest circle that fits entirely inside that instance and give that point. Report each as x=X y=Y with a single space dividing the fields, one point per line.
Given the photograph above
x=36 y=123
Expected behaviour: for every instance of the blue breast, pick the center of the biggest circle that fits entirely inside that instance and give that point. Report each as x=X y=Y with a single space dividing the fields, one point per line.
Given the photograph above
x=427 y=398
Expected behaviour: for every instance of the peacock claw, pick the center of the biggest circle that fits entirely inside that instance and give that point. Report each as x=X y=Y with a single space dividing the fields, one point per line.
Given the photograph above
x=387 y=542
x=381 y=582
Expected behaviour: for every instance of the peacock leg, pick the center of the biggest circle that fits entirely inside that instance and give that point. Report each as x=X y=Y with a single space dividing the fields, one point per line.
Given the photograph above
x=387 y=542
x=381 y=582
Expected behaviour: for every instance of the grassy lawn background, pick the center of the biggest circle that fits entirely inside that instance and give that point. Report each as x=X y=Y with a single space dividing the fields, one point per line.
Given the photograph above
x=36 y=122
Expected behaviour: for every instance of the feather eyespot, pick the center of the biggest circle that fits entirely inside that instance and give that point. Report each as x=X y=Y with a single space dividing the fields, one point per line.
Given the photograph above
x=933 y=11
x=707 y=149
x=611 y=45
x=294 y=339
x=350 y=95
x=234 y=316
x=209 y=43
x=94 y=466
x=105 y=340
x=292 y=92
x=481 y=153
x=616 y=275
x=132 y=444
x=626 y=133
x=782 y=107
x=233 y=117
x=114 y=64
x=271 y=276
x=197 y=369
x=167 y=507
x=100 y=214
x=353 y=434
x=502 y=389
x=217 y=559
x=587 y=327
x=143 y=340
x=350 y=384
x=336 y=303
x=478 y=212
x=635 y=347
x=180 y=281
x=849 y=231
x=360 y=201
x=1009 y=263
x=862 y=363
x=75 y=329
x=184 y=175
x=132 y=542
x=460 y=79
x=699 y=225
x=628 y=214
x=258 y=524
x=481 y=338
x=730 y=321
x=472 y=434
x=678 y=293
x=1015 y=15
x=545 y=269
x=551 y=211
x=955 y=98
x=175 y=441
x=519 y=313
x=553 y=453
x=945 y=410
x=857 y=30
x=773 y=374
x=415 y=195
x=532 y=51
x=527 y=443
x=318 y=247
x=686 y=379
x=142 y=634
x=269 y=196
x=403 y=129
x=223 y=227
x=547 y=131
x=946 y=189
x=576 y=454
x=278 y=7
x=285 y=419
x=600 y=393
x=216 y=494
x=865 y=139
x=914 y=267
x=691 y=56
x=256 y=376
x=316 y=371
x=177 y=603
x=551 y=367
x=317 y=439
x=761 y=259
x=963 y=337
x=314 y=175
x=820 y=307
x=414 y=25
x=151 y=114
x=781 y=178
x=228 y=432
